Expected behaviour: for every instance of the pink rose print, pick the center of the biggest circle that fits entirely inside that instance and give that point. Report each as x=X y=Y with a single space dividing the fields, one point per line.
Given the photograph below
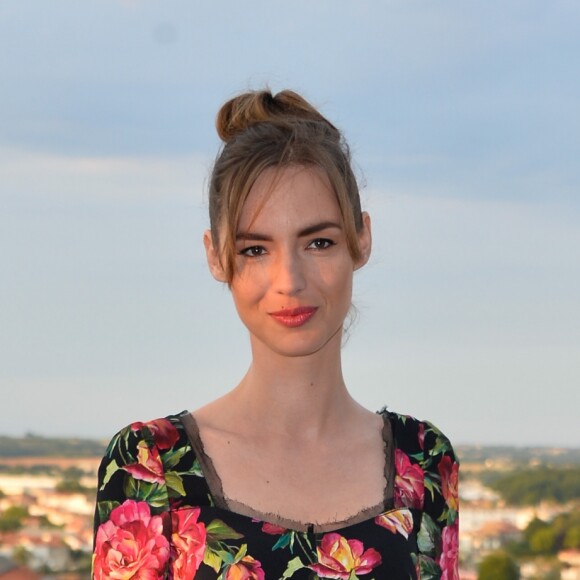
x=422 y=436
x=148 y=466
x=449 y=472
x=397 y=521
x=449 y=558
x=189 y=542
x=409 y=482
x=273 y=529
x=163 y=431
x=246 y=569
x=339 y=557
x=131 y=544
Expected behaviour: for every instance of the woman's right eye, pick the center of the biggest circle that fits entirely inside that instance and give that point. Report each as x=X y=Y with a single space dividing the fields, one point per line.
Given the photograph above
x=253 y=251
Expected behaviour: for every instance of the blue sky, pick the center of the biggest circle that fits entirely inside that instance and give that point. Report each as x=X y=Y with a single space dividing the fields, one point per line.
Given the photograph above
x=463 y=119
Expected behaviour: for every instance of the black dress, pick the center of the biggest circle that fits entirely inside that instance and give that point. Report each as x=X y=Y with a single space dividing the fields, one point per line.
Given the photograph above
x=161 y=514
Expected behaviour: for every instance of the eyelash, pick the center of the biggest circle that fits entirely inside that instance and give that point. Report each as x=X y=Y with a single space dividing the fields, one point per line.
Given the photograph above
x=323 y=241
x=259 y=251
x=248 y=252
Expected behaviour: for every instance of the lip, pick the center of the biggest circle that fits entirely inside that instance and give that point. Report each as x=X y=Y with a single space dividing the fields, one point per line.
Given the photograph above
x=294 y=317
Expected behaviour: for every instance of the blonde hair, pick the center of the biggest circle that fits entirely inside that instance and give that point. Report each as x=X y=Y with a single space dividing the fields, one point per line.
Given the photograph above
x=262 y=131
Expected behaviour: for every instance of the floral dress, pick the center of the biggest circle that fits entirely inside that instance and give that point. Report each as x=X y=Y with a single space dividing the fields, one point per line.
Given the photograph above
x=161 y=514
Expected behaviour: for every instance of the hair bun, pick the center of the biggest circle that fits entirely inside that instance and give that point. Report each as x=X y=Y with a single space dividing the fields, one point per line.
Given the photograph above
x=252 y=107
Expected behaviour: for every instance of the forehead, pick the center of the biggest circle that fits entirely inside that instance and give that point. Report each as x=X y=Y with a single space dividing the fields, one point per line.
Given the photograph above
x=294 y=195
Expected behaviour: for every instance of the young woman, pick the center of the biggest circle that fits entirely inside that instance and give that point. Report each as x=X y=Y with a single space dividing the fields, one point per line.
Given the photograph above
x=286 y=476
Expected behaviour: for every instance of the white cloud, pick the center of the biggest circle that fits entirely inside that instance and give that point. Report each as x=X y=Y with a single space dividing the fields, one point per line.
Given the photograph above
x=130 y=178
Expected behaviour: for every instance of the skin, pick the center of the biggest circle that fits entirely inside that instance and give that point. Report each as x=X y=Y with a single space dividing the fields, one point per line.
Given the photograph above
x=289 y=439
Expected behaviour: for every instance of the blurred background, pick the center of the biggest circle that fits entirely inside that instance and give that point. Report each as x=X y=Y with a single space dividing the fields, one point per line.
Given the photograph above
x=463 y=119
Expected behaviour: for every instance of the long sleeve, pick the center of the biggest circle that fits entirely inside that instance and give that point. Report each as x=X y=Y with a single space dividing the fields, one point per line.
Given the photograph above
x=426 y=482
x=438 y=538
x=132 y=521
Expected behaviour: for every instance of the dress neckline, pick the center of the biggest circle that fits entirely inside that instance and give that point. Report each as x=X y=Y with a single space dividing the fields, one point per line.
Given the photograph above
x=220 y=500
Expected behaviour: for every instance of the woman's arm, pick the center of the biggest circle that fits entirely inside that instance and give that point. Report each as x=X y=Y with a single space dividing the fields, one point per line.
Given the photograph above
x=426 y=482
x=132 y=522
x=438 y=539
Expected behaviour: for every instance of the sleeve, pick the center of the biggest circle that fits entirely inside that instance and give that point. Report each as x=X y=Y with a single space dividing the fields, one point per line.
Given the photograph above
x=132 y=527
x=438 y=538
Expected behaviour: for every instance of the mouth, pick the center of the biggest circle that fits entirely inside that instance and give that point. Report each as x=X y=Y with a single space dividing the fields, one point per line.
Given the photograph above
x=294 y=317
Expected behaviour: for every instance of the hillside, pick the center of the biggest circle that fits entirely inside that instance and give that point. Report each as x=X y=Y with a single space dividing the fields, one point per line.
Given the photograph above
x=491 y=456
x=37 y=446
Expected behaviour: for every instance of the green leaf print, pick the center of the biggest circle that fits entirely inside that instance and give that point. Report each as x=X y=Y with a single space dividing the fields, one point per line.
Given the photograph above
x=105 y=508
x=120 y=444
x=227 y=558
x=154 y=494
x=174 y=482
x=217 y=530
x=196 y=468
x=428 y=568
x=213 y=558
x=112 y=468
x=441 y=445
x=431 y=485
x=241 y=553
x=126 y=434
x=428 y=536
x=112 y=444
x=283 y=541
x=293 y=566
x=219 y=555
x=172 y=458
x=448 y=516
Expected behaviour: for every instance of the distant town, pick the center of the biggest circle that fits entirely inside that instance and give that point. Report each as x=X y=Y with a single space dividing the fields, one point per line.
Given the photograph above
x=519 y=514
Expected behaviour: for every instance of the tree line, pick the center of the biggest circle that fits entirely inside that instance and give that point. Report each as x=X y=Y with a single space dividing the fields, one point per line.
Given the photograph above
x=36 y=446
x=530 y=487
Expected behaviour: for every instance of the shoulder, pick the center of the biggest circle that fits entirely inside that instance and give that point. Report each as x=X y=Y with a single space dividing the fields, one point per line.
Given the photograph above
x=162 y=434
x=418 y=437
x=138 y=480
x=144 y=460
x=425 y=465
x=427 y=478
x=156 y=438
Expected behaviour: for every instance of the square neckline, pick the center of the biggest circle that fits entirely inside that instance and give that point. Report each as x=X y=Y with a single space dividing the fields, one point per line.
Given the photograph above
x=221 y=501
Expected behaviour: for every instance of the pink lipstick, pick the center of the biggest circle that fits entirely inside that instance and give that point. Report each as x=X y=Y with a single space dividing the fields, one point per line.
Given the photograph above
x=294 y=317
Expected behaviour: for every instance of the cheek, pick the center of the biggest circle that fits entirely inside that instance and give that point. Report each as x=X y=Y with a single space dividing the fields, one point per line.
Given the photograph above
x=248 y=286
x=337 y=279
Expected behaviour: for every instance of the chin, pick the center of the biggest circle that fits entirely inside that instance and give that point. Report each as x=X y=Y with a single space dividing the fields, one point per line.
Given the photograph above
x=295 y=346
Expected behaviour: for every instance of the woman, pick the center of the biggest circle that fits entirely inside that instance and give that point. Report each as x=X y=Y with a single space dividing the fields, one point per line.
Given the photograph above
x=286 y=476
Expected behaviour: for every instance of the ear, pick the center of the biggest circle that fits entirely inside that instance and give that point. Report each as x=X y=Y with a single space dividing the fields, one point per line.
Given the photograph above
x=365 y=241
x=213 y=258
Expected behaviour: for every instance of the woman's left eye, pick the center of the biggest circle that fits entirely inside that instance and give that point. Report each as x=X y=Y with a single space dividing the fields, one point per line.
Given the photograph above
x=253 y=251
x=320 y=244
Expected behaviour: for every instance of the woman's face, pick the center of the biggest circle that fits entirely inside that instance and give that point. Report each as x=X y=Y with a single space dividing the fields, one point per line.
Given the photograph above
x=292 y=284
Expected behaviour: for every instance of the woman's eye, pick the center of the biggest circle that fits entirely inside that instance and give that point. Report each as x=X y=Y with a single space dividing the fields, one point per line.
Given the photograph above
x=320 y=244
x=253 y=251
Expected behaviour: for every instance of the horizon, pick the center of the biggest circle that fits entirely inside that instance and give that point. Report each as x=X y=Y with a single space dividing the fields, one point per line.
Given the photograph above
x=104 y=440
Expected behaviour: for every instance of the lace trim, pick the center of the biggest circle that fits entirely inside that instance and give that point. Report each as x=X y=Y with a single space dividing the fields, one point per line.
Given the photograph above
x=215 y=486
x=210 y=475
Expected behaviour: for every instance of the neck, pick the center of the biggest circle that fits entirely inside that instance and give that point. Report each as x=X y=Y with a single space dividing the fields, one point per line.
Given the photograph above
x=303 y=396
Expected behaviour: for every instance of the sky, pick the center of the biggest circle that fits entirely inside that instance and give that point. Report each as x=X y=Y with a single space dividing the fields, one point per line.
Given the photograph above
x=463 y=119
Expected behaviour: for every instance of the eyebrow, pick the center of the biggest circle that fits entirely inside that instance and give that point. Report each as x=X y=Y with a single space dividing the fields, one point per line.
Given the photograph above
x=307 y=231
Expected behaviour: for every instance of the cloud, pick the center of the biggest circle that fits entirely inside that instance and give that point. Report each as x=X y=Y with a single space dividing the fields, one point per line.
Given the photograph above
x=440 y=232
x=129 y=178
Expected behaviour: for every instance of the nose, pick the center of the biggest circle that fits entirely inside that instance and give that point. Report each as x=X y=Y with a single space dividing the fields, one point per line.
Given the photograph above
x=288 y=274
